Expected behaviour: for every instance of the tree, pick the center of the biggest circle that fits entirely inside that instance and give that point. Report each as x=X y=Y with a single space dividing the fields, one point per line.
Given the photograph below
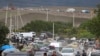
x=71 y=32
x=3 y=32
x=97 y=11
x=40 y=26
x=93 y=25
x=83 y=33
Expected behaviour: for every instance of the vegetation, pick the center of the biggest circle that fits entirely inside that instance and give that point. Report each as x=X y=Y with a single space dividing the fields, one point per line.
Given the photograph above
x=60 y=29
x=3 y=32
x=87 y=29
x=40 y=26
x=93 y=25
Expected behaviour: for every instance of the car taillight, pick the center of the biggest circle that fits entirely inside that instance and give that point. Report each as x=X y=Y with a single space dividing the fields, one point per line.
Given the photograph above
x=51 y=47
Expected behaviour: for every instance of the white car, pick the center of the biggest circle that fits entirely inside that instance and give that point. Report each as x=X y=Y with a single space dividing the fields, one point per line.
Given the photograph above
x=85 y=11
x=67 y=52
x=43 y=34
x=36 y=39
x=70 y=10
x=93 y=52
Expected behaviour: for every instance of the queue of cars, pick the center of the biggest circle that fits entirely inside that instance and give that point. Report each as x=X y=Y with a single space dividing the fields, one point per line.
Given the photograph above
x=73 y=10
x=63 y=47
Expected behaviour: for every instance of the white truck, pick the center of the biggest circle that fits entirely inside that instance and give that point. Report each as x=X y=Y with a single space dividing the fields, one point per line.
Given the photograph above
x=28 y=34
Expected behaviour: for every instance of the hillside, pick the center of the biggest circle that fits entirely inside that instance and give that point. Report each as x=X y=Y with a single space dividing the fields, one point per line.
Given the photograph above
x=26 y=18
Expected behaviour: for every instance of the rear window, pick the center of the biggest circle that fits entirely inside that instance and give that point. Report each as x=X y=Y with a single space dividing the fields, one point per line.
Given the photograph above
x=51 y=47
x=67 y=51
x=95 y=54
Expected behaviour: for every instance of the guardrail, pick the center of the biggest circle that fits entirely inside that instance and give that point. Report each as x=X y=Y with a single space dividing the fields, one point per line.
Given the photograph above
x=17 y=54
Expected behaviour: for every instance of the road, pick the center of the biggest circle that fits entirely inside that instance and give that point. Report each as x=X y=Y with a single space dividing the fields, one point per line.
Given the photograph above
x=62 y=11
x=76 y=45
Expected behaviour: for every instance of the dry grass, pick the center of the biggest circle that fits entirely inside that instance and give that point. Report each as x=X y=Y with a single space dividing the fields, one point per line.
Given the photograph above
x=28 y=16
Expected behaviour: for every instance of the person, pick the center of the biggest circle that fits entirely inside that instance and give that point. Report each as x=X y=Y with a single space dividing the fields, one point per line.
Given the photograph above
x=54 y=53
x=45 y=54
x=85 y=46
x=1 y=52
x=78 y=53
x=84 y=53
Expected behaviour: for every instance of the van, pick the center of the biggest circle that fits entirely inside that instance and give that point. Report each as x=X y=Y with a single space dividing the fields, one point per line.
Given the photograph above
x=56 y=45
x=28 y=34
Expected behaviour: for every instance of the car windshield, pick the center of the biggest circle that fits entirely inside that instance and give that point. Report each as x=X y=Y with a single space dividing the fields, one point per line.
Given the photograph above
x=95 y=54
x=67 y=51
x=40 y=42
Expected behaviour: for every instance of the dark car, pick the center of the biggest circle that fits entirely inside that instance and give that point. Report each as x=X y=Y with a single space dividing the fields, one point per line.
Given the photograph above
x=95 y=54
x=91 y=44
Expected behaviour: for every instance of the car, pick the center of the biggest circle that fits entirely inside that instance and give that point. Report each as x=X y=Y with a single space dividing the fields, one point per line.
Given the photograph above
x=43 y=36
x=91 y=44
x=58 y=10
x=54 y=51
x=74 y=44
x=67 y=51
x=70 y=10
x=29 y=49
x=56 y=45
x=39 y=53
x=36 y=39
x=44 y=48
x=10 y=50
x=85 y=11
x=94 y=52
x=27 y=34
x=18 y=54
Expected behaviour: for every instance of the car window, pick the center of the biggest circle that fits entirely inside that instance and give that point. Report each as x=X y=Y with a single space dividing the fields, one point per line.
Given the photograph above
x=95 y=54
x=67 y=50
x=40 y=42
x=51 y=47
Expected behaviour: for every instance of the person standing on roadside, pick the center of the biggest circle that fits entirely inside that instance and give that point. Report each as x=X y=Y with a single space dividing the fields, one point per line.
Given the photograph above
x=45 y=54
x=85 y=46
x=78 y=54
x=84 y=53
x=54 y=53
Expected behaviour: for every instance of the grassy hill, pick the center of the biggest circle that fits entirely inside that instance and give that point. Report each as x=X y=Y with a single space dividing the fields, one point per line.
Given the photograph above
x=29 y=16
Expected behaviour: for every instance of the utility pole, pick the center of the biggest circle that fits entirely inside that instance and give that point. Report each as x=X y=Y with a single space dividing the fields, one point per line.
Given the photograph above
x=15 y=23
x=73 y=19
x=6 y=15
x=19 y=14
x=53 y=31
x=9 y=9
x=10 y=28
x=47 y=14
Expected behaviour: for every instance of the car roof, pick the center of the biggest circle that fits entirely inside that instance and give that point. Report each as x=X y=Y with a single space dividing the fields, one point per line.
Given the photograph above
x=95 y=54
x=67 y=48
